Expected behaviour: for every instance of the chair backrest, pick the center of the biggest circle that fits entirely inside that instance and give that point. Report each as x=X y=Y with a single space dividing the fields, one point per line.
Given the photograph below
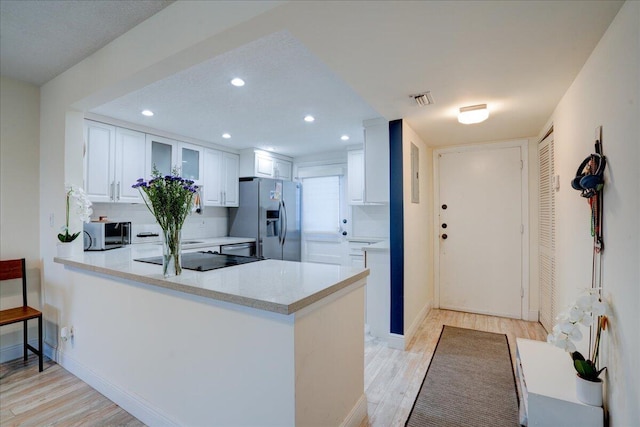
x=15 y=269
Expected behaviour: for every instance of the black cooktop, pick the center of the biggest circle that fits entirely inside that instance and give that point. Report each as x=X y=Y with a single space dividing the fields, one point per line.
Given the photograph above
x=205 y=261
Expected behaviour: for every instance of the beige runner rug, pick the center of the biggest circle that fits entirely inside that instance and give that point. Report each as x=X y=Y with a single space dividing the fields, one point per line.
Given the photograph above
x=469 y=382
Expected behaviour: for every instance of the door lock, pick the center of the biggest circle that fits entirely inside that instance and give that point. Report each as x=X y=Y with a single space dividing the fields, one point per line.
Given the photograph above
x=444 y=236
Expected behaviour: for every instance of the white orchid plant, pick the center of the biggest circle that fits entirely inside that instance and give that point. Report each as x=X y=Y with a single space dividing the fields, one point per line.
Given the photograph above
x=586 y=310
x=76 y=199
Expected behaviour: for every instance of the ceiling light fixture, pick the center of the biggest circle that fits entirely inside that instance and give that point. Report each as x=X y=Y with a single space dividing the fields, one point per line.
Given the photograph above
x=473 y=114
x=309 y=118
x=422 y=99
x=344 y=137
x=226 y=135
x=237 y=82
x=147 y=113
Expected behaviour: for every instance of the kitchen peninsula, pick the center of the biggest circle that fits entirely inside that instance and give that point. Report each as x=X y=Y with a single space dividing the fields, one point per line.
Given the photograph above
x=265 y=343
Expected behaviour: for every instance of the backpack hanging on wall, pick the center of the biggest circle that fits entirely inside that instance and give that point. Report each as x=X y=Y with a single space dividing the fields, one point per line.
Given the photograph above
x=589 y=176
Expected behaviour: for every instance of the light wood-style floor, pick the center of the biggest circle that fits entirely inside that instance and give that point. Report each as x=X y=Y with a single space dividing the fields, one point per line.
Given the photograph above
x=392 y=379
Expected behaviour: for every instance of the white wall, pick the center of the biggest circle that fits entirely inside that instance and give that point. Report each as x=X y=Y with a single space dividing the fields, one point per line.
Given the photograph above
x=19 y=204
x=418 y=234
x=606 y=92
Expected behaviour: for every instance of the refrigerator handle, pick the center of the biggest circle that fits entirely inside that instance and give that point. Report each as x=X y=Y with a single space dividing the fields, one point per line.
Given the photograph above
x=279 y=223
x=284 y=223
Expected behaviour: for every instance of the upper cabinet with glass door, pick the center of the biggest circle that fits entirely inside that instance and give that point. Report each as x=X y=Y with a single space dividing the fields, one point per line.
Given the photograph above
x=162 y=153
x=192 y=162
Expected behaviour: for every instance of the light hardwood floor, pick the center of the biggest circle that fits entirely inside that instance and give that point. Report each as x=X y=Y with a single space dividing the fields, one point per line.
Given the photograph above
x=392 y=379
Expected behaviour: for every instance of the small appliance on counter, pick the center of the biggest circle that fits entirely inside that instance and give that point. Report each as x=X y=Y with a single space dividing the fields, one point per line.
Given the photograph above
x=101 y=236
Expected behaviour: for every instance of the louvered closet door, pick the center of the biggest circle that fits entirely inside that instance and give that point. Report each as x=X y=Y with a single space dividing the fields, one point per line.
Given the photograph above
x=546 y=236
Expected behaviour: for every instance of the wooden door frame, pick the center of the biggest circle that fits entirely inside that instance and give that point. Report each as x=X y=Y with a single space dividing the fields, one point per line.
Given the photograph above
x=523 y=144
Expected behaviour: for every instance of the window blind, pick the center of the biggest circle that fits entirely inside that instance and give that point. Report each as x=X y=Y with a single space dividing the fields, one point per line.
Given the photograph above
x=321 y=204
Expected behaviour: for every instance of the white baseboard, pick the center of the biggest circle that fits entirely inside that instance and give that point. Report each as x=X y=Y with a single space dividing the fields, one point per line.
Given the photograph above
x=399 y=341
x=395 y=341
x=12 y=352
x=357 y=413
x=136 y=406
x=533 y=316
x=411 y=331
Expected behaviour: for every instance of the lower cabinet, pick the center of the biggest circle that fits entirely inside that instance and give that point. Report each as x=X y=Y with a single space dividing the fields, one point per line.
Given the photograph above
x=378 y=301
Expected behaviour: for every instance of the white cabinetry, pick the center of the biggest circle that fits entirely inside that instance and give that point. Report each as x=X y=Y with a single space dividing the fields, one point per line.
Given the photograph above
x=368 y=169
x=162 y=154
x=191 y=162
x=355 y=176
x=376 y=161
x=264 y=164
x=548 y=388
x=114 y=159
x=220 y=178
x=378 y=290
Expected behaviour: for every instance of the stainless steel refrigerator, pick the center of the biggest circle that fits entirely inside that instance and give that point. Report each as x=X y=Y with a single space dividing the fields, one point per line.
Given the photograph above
x=269 y=210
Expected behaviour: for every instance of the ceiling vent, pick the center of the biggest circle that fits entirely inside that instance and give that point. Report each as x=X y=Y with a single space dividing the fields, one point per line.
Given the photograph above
x=422 y=99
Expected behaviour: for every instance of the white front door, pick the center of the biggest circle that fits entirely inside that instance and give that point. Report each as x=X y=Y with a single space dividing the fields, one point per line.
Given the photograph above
x=480 y=230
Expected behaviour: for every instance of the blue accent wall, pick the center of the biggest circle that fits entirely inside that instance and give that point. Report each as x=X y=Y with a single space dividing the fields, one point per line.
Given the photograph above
x=396 y=216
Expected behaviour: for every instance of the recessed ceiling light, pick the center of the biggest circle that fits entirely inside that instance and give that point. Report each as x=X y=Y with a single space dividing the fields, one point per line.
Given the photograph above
x=147 y=113
x=309 y=118
x=344 y=137
x=473 y=114
x=226 y=135
x=237 y=82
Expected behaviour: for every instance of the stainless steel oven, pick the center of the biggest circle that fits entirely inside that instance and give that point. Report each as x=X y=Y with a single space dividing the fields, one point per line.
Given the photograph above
x=242 y=249
x=101 y=236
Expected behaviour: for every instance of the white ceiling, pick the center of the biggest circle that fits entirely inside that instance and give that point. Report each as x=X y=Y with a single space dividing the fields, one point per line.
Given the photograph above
x=283 y=83
x=40 y=39
x=348 y=61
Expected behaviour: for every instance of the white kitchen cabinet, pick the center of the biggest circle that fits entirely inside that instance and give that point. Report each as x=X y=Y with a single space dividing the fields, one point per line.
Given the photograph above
x=191 y=162
x=376 y=161
x=99 y=158
x=368 y=169
x=130 y=165
x=378 y=301
x=114 y=159
x=264 y=164
x=355 y=176
x=162 y=154
x=548 y=388
x=220 y=178
x=282 y=169
x=230 y=183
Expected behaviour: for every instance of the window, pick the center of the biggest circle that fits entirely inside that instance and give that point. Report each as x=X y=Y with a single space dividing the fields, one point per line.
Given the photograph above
x=321 y=204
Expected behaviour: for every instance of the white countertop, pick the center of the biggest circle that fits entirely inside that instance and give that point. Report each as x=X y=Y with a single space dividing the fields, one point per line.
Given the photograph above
x=278 y=286
x=377 y=247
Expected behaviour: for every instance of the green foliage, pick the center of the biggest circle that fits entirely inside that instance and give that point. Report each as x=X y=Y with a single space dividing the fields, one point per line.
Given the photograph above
x=586 y=368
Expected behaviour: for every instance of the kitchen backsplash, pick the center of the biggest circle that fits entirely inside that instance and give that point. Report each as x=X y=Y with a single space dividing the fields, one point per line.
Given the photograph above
x=212 y=222
x=370 y=221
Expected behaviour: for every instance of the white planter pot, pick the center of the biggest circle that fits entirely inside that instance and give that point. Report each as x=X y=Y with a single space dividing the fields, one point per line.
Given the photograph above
x=65 y=250
x=589 y=392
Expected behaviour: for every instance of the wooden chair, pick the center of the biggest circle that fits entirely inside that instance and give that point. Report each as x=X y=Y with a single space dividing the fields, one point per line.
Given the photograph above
x=15 y=269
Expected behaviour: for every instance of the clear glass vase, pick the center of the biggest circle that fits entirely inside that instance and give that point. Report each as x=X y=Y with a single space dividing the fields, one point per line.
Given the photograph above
x=171 y=252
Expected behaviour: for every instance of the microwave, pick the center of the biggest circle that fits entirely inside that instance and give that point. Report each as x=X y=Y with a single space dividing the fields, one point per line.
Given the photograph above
x=101 y=236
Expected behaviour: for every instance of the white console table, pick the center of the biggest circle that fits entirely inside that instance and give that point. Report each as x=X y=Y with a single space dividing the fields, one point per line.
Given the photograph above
x=548 y=385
